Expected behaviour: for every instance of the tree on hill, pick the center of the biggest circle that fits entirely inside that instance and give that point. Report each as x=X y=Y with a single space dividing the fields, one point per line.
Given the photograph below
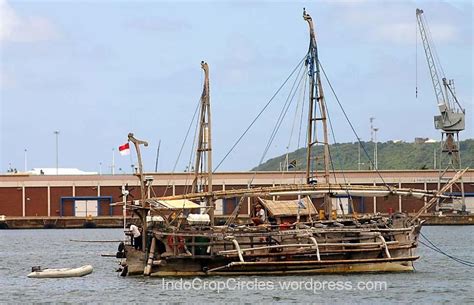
x=391 y=156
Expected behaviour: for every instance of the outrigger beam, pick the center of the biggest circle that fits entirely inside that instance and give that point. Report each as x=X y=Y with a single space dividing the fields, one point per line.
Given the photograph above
x=307 y=189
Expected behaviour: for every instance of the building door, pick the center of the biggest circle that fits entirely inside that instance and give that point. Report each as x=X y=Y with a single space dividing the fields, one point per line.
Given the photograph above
x=84 y=208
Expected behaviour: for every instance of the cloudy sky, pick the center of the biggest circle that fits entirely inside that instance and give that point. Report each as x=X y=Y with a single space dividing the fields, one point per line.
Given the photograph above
x=98 y=71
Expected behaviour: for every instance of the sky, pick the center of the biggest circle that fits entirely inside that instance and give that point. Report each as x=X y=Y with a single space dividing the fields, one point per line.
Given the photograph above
x=95 y=71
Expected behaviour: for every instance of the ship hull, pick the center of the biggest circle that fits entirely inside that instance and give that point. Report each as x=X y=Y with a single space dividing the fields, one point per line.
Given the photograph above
x=198 y=267
x=328 y=251
x=403 y=265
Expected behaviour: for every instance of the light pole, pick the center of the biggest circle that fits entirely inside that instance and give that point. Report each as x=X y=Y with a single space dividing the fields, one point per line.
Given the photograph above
x=56 y=132
x=26 y=160
x=358 y=163
x=372 y=134
x=371 y=119
x=376 y=162
x=100 y=168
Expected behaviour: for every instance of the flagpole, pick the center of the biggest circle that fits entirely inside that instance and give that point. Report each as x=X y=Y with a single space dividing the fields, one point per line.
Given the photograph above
x=132 y=166
x=113 y=161
x=56 y=132
x=124 y=209
x=125 y=150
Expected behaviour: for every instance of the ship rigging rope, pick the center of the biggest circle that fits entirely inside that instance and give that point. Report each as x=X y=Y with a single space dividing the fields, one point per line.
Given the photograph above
x=301 y=117
x=340 y=164
x=284 y=166
x=182 y=145
x=192 y=155
x=284 y=111
x=295 y=118
x=350 y=124
x=435 y=248
x=289 y=100
x=258 y=115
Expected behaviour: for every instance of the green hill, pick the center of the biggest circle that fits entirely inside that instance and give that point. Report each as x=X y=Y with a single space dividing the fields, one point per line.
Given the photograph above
x=391 y=156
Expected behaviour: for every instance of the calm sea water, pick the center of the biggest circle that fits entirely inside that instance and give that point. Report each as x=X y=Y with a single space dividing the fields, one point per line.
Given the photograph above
x=438 y=279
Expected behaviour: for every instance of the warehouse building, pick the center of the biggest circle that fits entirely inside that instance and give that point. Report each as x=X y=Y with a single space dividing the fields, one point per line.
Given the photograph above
x=95 y=195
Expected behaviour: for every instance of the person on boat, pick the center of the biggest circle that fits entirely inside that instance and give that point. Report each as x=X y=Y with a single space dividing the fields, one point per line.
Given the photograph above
x=260 y=216
x=136 y=237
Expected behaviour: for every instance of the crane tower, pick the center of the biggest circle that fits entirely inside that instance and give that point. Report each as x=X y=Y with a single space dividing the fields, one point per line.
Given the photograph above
x=451 y=119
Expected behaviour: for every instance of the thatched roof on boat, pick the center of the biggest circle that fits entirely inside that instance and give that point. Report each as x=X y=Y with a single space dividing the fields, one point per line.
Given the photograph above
x=177 y=204
x=280 y=208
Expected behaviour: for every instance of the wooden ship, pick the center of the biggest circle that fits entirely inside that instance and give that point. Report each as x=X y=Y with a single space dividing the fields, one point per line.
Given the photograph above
x=181 y=236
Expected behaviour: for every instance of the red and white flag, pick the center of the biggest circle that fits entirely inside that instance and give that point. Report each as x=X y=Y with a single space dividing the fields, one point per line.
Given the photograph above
x=124 y=149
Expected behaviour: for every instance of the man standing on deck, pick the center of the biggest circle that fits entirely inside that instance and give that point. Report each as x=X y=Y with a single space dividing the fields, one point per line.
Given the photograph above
x=136 y=235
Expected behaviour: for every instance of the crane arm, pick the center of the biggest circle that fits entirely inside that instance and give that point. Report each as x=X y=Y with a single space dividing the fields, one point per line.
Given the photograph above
x=452 y=117
x=437 y=85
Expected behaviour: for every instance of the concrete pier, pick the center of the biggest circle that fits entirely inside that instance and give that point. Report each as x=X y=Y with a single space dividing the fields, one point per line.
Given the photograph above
x=117 y=222
x=63 y=222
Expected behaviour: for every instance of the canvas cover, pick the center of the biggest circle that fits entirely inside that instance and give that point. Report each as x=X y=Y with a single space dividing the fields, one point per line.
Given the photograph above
x=283 y=208
x=177 y=204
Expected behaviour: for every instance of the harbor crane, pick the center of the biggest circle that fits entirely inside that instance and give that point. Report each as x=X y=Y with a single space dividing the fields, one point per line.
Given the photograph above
x=451 y=119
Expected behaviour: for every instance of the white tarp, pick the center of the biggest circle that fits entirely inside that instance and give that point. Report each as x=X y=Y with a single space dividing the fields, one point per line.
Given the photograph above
x=338 y=202
x=178 y=204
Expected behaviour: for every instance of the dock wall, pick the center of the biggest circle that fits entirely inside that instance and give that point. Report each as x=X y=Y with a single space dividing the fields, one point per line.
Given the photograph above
x=30 y=196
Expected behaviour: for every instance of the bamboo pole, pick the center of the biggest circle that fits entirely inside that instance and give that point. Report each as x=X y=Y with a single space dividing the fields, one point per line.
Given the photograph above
x=151 y=255
x=355 y=245
x=306 y=189
x=314 y=262
x=438 y=194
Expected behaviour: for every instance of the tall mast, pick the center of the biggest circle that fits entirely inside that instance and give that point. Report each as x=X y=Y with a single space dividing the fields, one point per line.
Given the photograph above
x=203 y=166
x=142 y=212
x=137 y=144
x=316 y=95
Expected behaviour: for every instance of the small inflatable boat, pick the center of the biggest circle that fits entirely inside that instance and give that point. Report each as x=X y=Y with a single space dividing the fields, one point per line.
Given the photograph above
x=63 y=272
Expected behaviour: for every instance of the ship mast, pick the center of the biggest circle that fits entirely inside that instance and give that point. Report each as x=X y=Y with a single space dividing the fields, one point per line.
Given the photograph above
x=316 y=104
x=203 y=165
x=143 y=211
